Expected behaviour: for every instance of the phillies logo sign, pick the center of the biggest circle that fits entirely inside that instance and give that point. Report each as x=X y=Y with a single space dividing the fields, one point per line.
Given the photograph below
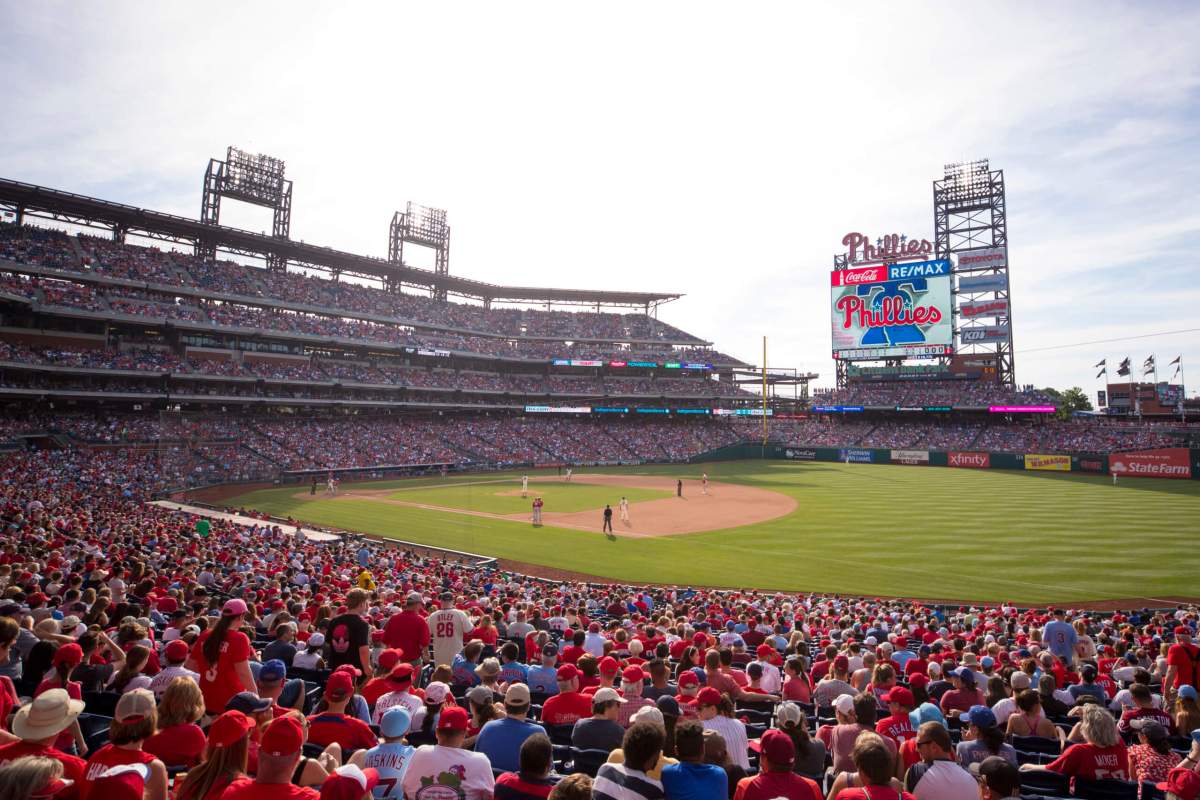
x=892 y=247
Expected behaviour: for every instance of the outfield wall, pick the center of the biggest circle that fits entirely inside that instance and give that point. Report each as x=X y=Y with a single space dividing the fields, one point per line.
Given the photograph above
x=1163 y=462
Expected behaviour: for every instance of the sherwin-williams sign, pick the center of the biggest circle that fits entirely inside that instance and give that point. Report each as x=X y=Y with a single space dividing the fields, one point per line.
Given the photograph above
x=1054 y=463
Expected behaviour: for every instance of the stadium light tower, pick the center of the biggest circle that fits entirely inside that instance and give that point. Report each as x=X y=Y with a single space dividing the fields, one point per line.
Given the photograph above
x=251 y=178
x=970 y=224
x=424 y=226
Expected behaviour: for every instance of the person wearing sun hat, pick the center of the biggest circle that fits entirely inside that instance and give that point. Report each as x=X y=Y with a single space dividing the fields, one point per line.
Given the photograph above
x=221 y=656
x=134 y=721
x=225 y=758
x=457 y=772
x=38 y=723
x=278 y=755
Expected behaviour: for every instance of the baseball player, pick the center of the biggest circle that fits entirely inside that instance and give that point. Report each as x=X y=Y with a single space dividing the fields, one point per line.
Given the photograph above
x=568 y=478
x=1114 y=474
x=607 y=518
x=524 y=485
x=537 y=511
x=331 y=486
x=624 y=505
x=703 y=483
x=679 y=488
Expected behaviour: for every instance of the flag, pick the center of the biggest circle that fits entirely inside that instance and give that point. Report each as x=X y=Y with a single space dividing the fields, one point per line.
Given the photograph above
x=1149 y=362
x=1148 y=366
x=1103 y=362
x=1177 y=360
x=1124 y=368
x=1102 y=372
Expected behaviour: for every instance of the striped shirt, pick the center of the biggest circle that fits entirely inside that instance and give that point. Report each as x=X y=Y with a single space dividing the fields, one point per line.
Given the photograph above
x=734 y=734
x=618 y=782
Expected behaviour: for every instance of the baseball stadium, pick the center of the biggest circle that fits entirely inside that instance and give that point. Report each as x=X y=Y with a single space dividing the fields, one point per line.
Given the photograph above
x=284 y=517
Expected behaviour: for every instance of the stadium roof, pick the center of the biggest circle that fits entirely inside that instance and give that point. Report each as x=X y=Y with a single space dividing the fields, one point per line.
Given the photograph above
x=29 y=198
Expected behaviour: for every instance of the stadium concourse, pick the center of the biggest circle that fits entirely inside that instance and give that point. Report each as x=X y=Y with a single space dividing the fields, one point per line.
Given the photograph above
x=508 y=685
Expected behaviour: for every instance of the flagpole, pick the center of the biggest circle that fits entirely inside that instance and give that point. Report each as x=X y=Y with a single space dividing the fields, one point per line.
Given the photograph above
x=1182 y=393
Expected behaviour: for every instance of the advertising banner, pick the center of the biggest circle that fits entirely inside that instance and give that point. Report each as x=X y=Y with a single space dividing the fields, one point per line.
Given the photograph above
x=1166 y=462
x=855 y=455
x=1101 y=398
x=800 y=454
x=837 y=409
x=1048 y=462
x=982 y=333
x=972 y=284
x=558 y=409
x=892 y=309
x=984 y=308
x=1096 y=463
x=910 y=456
x=1022 y=409
x=986 y=258
x=971 y=460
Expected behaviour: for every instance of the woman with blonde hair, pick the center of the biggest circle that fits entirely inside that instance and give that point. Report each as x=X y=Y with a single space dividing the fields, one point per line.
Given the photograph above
x=1102 y=754
x=225 y=758
x=1187 y=712
x=31 y=777
x=179 y=741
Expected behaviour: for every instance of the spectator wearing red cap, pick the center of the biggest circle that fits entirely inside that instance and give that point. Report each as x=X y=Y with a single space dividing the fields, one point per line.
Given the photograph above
x=222 y=658
x=400 y=692
x=408 y=630
x=66 y=659
x=350 y=782
x=715 y=713
x=134 y=721
x=775 y=778
x=379 y=685
x=897 y=727
x=225 y=758
x=175 y=654
x=464 y=774
x=609 y=669
x=836 y=683
x=772 y=680
x=633 y=681
x=569 y=705
x=332 y=724
x=1183 y=662
x=278 y=754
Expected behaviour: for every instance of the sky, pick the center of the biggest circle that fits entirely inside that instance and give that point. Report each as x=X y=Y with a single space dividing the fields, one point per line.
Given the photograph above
x=712 y=149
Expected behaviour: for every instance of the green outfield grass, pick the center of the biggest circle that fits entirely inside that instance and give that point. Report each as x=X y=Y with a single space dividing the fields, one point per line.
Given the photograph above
x=930 y=532
x=493 y=495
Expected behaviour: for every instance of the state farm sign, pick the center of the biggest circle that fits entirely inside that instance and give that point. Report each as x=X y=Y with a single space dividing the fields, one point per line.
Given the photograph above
x=973 y=460
x=1167 y=462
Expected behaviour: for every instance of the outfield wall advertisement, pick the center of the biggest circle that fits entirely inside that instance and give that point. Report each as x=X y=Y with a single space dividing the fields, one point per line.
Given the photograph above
x=1054 y=463
x=1167 y=462
x=910 y=456
x=970 y=460
x=892 y=310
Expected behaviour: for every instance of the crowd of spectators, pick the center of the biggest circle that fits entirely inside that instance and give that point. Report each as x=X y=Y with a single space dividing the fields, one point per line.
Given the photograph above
x=224 y=659
x=932 y=393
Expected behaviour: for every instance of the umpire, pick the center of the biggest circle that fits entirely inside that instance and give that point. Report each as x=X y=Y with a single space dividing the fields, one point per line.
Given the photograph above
x=607 y=518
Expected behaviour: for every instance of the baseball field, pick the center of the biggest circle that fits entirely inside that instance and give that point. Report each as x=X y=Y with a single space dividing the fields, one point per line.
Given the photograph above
x=921 y=532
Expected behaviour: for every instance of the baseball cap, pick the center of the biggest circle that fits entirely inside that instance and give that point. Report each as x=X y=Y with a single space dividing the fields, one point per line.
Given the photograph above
x=176 y=650
x=134 y=705
x=70 y=654
x=480 y=695
x=609 y=666
x=1181 y=782
x=899 y=694
x=567 y=672
x=964 y=674
x=349 y=782
x=688 y=678
x=248 y=703
x=789 y=713
x=233 y=607
x=607 y=695
x=980 y=717
x=841 y=663
x=413 y=597
x=1001 y=777
x=668 y=705
x=517 y=695
x=844 y=703
x=1187 y=692
x=776 y=745
x=273 y=671
x=648 y=714
x=395 y=722
x=1020 y=680
x=633 y=675
x=708 y=696
x=549 y=649
x=340 y=684
x=1183 y=630
x=230 y=727
x=401 y=674
x=437 y=692
x=316 y=640
x=490 y=666
x=918 y=679
x=1154 y=731
x=389 y=658
x=453 y=718
x=124 y=782
x=283 y=737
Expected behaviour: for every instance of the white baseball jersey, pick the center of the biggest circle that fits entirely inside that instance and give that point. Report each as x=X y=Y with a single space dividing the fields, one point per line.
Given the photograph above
x=447 y=630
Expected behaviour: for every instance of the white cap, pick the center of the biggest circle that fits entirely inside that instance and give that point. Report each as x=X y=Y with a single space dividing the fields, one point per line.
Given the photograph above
x=844 y=703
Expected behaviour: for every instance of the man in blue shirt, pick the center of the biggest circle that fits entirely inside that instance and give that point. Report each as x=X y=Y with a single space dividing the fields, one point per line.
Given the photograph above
x=501 y=739
x=512 y=670
x=691 y=778
x=544 y=678
x=1060 y=638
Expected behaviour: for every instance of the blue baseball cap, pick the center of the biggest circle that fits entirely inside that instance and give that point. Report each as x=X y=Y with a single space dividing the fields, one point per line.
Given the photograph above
x=987 y=662
x=980 y=717
x=1187 y=692
x=248 y=703
x=395 y=722
x=272 y=671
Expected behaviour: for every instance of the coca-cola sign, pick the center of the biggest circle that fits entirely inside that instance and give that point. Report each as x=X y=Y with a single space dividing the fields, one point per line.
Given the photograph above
x=972 y=460
x=892 y=247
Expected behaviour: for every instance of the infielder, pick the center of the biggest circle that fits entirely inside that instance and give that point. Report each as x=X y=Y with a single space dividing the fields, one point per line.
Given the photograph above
x=703 y=483
x=568 y=478
x=524 y=485
x=537 y=511
x=624 y=504
x=331 y=486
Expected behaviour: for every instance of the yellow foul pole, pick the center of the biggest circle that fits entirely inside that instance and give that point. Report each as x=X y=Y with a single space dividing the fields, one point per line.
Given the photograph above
x=764 y=392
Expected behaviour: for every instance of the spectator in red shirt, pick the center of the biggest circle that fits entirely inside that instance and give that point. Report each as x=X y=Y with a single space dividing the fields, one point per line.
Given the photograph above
x=1101 y=755
x=964 y=694
x=408 y=631
x=225 y=758
x=179 y=741
x=897 y=727
x=278 y=756
x=569 y=705
x=775 y=778
x=332 y=723
x=1183 y=662
x=134 y=721
x=222 y=658
x=38 y=724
